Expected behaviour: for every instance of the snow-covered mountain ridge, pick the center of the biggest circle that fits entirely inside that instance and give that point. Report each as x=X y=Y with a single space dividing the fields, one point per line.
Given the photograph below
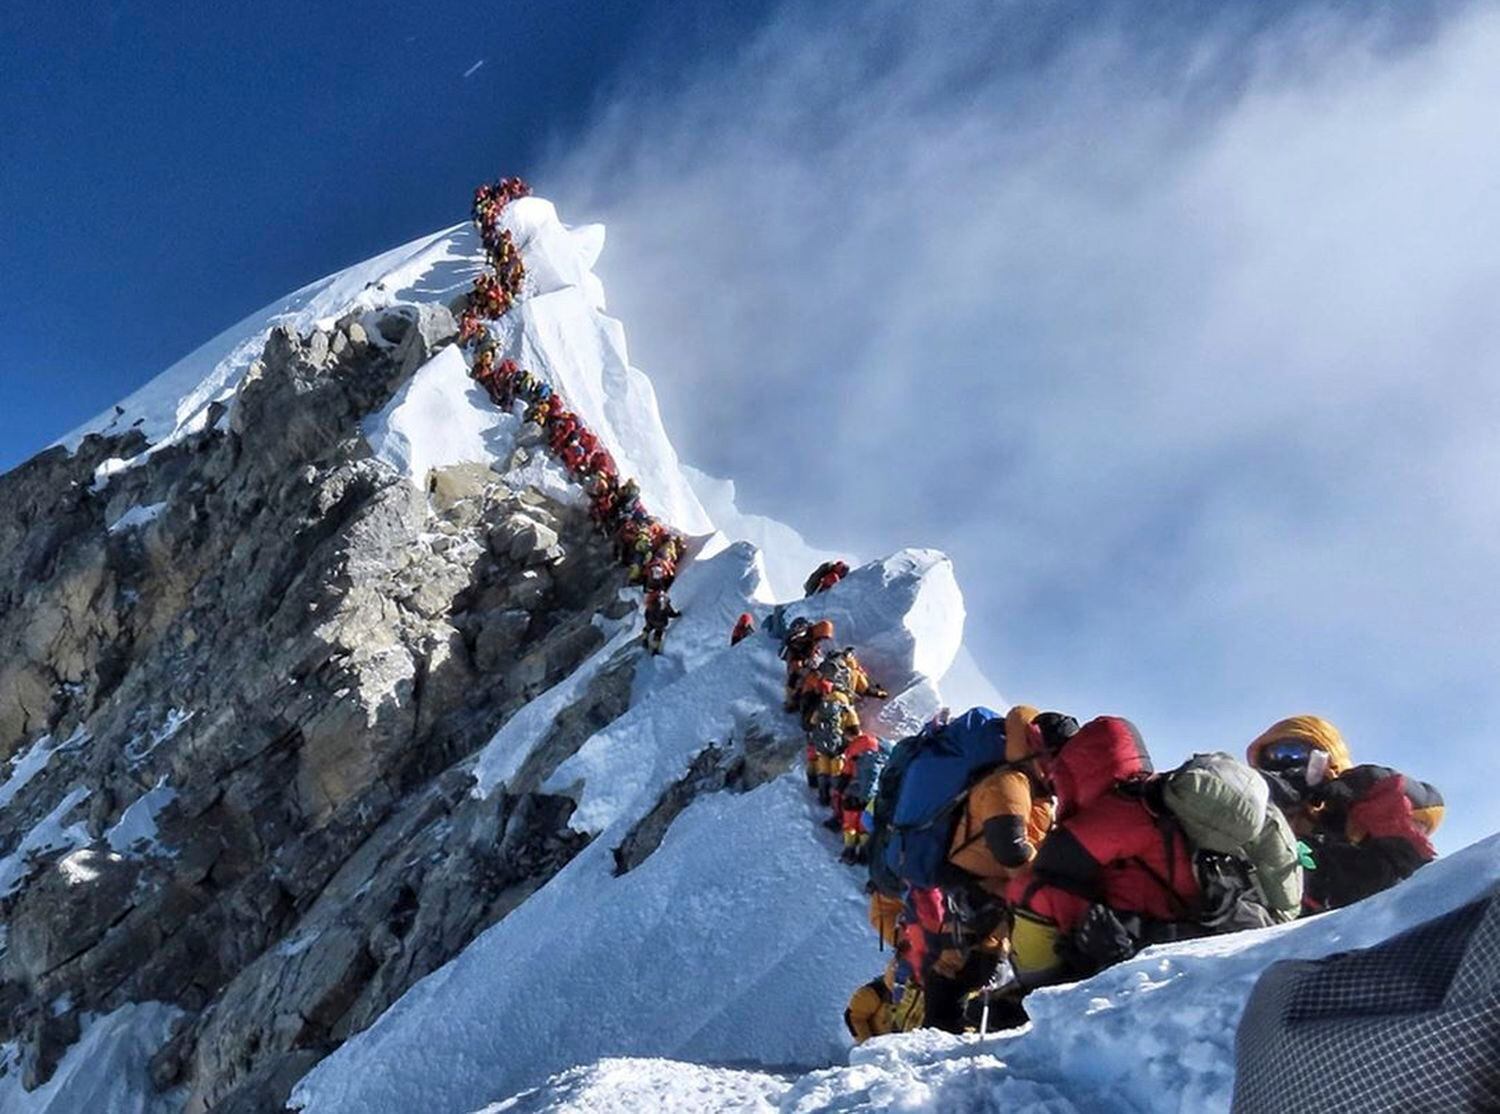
x=337 y=772
x=344 y=680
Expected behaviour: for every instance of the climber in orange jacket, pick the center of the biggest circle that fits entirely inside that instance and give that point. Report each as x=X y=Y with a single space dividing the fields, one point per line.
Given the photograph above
x=802 y=651
x=1366 y=827
x=1006 y=814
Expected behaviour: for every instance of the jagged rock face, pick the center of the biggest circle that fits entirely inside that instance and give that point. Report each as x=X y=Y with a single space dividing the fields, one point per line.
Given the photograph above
x=281 y=667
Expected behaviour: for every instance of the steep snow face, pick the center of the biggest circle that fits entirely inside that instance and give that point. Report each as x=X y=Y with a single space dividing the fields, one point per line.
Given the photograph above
x=737 y=940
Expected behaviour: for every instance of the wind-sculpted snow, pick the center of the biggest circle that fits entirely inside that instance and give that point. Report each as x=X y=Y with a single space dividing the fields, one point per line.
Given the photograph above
x=738 y=939
x=581 y=353
x=1153 y=1034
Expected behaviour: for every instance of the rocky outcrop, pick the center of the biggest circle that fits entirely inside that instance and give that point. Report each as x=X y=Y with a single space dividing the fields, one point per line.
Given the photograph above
x=736 y=766
x=240 y=680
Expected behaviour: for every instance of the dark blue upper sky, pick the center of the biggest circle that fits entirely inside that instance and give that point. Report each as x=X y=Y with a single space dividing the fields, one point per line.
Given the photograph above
x=166 y=168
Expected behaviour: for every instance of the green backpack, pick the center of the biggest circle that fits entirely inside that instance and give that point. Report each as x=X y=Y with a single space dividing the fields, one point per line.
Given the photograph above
x=827 y=731
x=1245 y=854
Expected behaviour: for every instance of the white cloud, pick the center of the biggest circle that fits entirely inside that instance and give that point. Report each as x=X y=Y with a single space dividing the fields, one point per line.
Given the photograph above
x=1180 y=339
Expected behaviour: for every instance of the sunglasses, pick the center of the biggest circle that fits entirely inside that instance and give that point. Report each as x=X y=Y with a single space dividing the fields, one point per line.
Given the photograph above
x=1285 y=754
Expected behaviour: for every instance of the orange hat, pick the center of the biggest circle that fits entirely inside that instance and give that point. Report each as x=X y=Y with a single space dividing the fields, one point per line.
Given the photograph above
x=1021 y=740
x=1312 y=729
x=823 y=628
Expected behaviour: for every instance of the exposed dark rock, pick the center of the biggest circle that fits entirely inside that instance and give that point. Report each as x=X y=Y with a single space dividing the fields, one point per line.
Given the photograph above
x=282 y=674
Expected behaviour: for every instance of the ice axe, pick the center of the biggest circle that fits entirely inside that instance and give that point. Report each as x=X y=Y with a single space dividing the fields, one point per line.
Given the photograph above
x=1005 y=977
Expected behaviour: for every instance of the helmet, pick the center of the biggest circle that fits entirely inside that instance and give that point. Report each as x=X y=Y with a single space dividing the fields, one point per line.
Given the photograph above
x=1314 y=731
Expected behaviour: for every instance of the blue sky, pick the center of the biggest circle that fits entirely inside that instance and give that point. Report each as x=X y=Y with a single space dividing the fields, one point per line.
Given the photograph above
x=173 y=167
x=1171 y=322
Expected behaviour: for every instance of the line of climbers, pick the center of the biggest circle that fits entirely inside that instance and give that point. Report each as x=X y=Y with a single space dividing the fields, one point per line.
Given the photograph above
x=1007 y=853
x=645 y=546
x=1011 y=852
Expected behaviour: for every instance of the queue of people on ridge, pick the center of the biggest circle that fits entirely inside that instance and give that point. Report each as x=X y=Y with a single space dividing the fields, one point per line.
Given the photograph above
x=645 y=546
x=1008 y=852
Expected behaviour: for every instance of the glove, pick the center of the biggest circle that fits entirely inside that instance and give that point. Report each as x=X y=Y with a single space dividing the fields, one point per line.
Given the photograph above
x=1102 y=940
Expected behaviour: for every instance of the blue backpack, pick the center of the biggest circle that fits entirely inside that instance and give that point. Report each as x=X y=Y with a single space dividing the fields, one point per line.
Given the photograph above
x=933 y=787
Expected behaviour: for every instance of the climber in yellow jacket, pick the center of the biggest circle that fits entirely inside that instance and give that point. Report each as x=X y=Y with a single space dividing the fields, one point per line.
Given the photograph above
x=879 y=1007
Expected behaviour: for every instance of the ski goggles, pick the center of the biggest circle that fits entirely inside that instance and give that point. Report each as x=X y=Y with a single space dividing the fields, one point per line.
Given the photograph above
x=1285 y=754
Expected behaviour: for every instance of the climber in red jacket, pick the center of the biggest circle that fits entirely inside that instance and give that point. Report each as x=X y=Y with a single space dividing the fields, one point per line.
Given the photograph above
x=743 y=629
x=824 y=577
x=1110 y=855
x=560 y=429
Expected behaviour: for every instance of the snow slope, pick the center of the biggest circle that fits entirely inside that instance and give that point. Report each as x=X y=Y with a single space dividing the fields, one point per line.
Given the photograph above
x=105 y=1071
x=734 y=941
x=700 y=908
x=1153 y=1034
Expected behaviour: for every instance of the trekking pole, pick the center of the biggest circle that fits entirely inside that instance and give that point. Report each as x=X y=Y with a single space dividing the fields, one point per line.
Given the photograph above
x=984 y=1016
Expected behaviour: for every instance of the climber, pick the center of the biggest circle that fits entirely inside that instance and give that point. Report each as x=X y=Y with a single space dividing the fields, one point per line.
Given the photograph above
x=640 y=553
x=659 y=574
x=603 y=464
x=1107 y=858
x=659 y=612
x=859 y=773
x=573 y=457
x=602 y=499
x=470 y=325
x=744 y=627
x=842 y=667
x=1007 y=812
x=958 y=781
x=889 y=1003
x=561 y=425
x=1138 y=858
x=802 y=651
x=1365 y=827
x=627 y=499
x=830 y=723
x=824 y=577
x=484 y=371
x=542 y=408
